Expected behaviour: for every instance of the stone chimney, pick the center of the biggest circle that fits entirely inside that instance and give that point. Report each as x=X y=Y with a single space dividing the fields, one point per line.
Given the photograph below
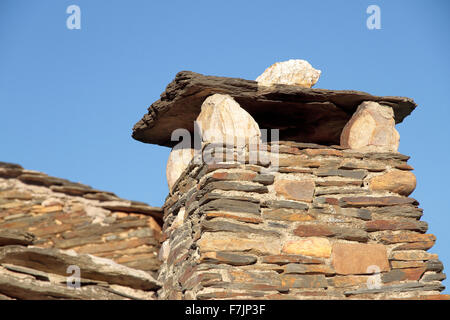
x=287 y=192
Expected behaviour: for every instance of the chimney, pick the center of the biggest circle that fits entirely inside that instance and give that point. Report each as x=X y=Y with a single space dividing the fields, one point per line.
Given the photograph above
x=288 y=192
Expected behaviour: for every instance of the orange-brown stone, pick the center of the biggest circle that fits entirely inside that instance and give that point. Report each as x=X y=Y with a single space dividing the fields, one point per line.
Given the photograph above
x=356 y=258
x=222 y=241
x=287 y=215
x=323 y=152
x=295 y=189
x=377 y=225
x=407 y=237
x=233 y=215
x=348 y=281
x=310 y=230
x=397 y=181
x=407 y=264
x=414 y=255
x=313 y=246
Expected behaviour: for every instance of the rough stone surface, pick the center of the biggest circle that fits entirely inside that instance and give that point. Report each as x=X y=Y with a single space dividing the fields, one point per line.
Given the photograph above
x=292 y=72
x=304 y=109
x=397 y=181
x=10 y=237
x=371 y=128
x=56 y=213
x=178 y=161
x=230 y=242
x=357 y=258
x=222 y=120
x=295 y=190
x=313 y=246
x=226 y=233
x=91 y=267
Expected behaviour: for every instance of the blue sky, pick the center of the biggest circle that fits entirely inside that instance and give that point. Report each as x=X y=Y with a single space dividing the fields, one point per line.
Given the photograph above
x=69 y=98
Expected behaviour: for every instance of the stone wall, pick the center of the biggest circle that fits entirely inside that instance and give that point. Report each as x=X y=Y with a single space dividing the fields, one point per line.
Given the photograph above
x=330 y=223
x=67 y=215
x=34 y=273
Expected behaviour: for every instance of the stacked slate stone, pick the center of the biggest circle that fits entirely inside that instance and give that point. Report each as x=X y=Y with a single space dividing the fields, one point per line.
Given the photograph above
x=33 y=273
x=67 y=215
x=322 y=213
x=331 y=223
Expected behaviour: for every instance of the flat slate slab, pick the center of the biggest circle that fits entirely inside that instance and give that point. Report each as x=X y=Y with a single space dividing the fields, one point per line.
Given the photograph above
x=301 y=114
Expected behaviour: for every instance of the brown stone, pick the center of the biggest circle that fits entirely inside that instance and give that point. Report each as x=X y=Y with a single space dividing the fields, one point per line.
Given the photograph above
x=235 y=186
x=323 y=230
x=303 y=108
x=338 y=183
x=303 y=281
x=285 y=204
x=222 y=241
x=326 y=172
x=15 y=194
x=11 y=237
x=314 y=230
x=287 y=215
x=434 y=297
x=10 y=173
x=294 y=170
x=407 y=237
x=251 y=218
x=91 y=267
x=219 y=224
x=376 y=201
x=347 y=281
x=295 y=268
x=405 y=211
x=71 y=190
x=377 y=225
x=52 y=229
x=298 y=161
x=289 y=258
x=268 y=278
x=396 y=181
x=353 y=164
x=412 y=274
x=114 y=245
x=415 y=246
x=407 y=264
x=403 y=166
x=295 y=190
x=231 y=258
x=362 y=214
x=237 y=176
x=412 y=255
x=231 y=205
x=49 y=209
x=313 y=246
x=356 y=258
x=323 y=152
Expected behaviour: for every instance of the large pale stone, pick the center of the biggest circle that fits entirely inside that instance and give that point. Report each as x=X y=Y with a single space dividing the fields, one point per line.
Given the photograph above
x=358 y=258
x=292 y=72
x=313 y=247
x=398 y=181
x=178 y=161
x=222 y=120
x=371 y=128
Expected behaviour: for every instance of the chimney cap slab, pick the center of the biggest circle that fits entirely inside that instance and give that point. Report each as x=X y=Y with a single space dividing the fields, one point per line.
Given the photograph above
x=301 y=114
